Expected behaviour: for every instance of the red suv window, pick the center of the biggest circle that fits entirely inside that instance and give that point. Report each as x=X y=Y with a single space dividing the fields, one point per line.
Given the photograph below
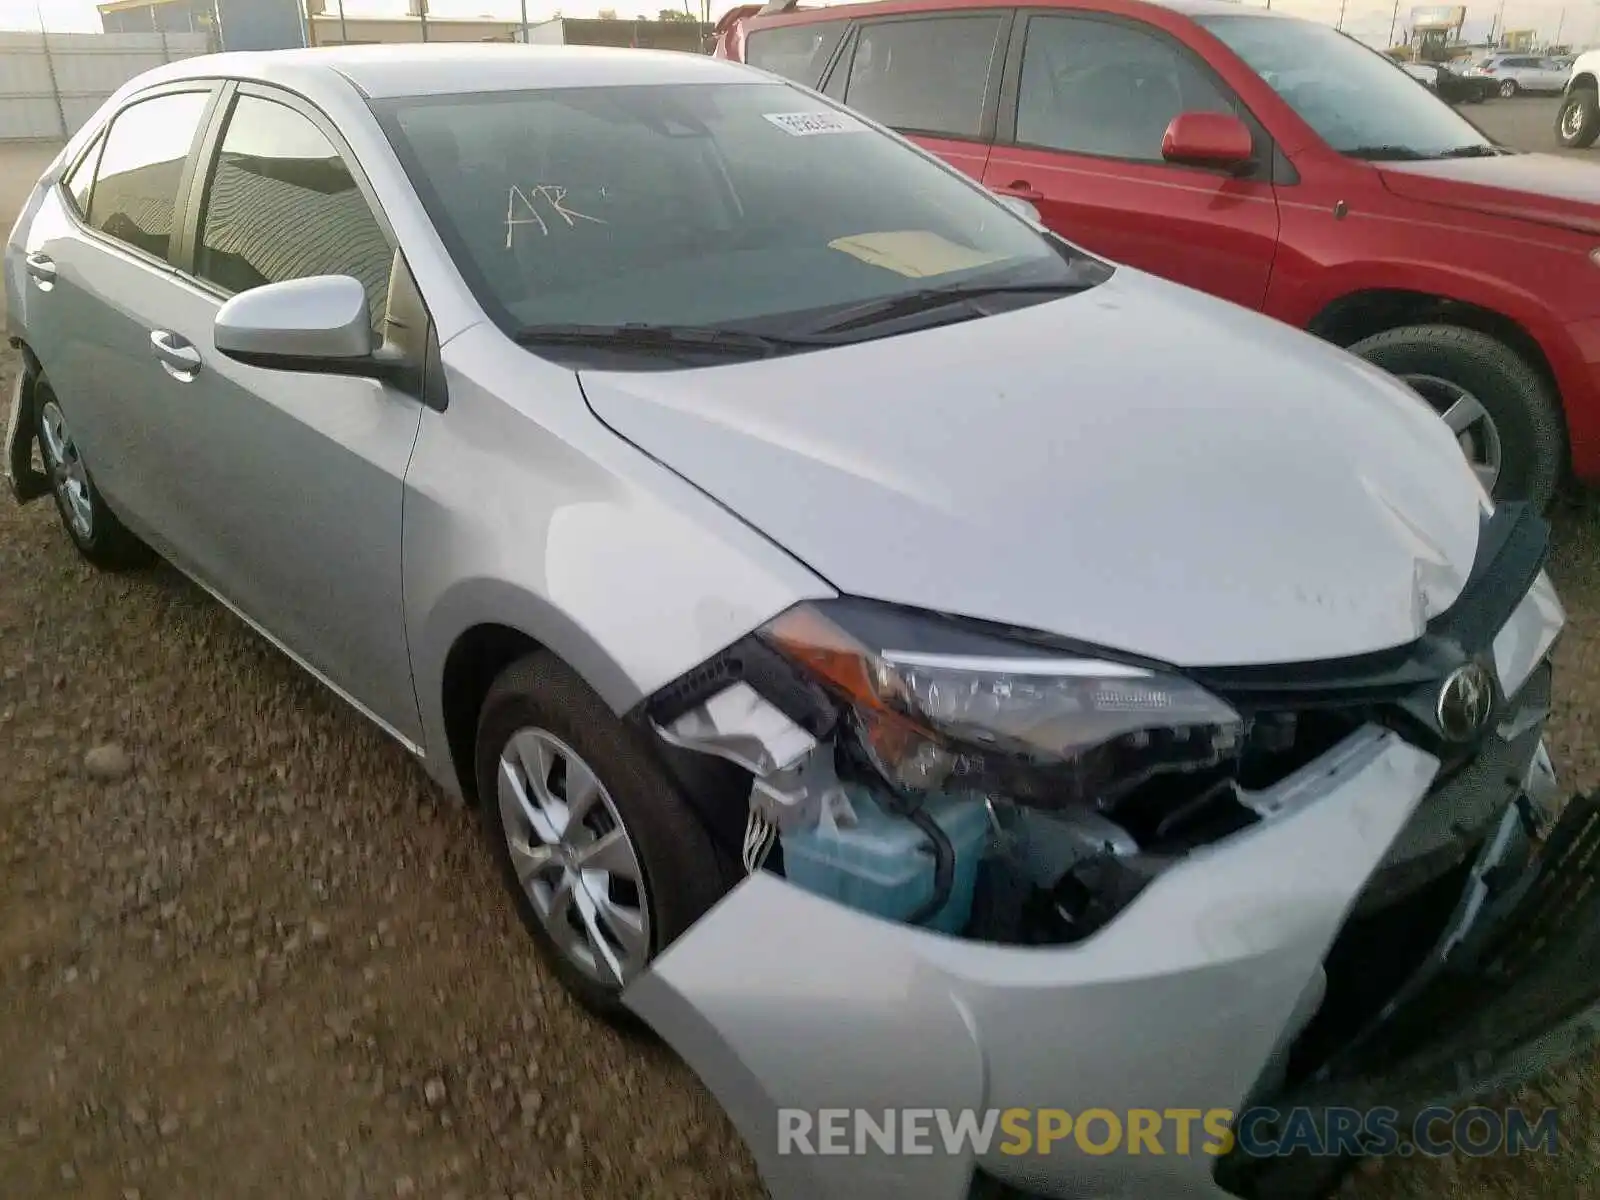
x=797 y=52
x=926 y=74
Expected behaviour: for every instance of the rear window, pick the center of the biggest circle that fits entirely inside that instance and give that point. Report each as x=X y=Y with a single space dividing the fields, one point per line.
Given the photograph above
x=797 y=52
x=695 y=204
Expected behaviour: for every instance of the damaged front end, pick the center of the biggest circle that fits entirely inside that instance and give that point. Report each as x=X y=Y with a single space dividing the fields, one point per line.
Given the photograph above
x=990 y=868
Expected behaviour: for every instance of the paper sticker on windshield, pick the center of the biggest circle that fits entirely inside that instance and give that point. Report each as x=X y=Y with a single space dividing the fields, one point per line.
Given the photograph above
x=808 y=124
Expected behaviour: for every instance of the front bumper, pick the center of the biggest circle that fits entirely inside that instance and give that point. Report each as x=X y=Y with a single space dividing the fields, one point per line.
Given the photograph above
x=780 y=999
x=1192 y=999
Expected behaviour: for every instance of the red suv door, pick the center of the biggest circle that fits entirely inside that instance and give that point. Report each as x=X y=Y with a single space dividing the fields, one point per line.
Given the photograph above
x=934 y=77
x=1085 y=102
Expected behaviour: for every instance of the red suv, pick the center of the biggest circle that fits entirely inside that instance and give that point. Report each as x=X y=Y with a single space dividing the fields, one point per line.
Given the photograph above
x=1268 y=160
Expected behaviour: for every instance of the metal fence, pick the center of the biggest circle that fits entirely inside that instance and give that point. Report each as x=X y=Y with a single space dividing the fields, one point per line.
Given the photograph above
x=51 y=83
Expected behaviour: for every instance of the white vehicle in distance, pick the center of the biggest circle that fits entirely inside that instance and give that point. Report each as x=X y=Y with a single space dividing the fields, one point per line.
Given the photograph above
x=1517 y=73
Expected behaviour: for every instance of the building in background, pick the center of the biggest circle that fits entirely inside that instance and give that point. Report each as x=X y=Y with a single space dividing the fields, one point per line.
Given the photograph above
x=329 y=29
x=683 y=33
x=230 y=24
x=158 y=16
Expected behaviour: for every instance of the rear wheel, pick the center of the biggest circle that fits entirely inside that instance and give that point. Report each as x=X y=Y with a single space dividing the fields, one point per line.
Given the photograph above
x=1578 y=121
x=1508 y=88
x=1503 y=414
x=94 y=529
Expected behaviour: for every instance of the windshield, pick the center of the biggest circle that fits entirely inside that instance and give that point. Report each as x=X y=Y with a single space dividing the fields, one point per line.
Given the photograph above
x=744 y=206
x=1360 y=102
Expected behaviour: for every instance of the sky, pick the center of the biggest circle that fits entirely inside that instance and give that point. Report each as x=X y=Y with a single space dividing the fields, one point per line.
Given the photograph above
x=1369 y=20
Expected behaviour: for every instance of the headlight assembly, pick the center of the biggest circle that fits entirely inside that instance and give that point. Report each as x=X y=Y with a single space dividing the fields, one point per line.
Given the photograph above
x=936 y=705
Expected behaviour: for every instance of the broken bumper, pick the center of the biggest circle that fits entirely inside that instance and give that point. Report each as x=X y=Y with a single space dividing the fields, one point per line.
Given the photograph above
x=780 y=999
x=1190 y=1000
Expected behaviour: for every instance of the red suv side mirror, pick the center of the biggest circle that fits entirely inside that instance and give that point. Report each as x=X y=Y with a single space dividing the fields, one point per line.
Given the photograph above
x=1208 y=139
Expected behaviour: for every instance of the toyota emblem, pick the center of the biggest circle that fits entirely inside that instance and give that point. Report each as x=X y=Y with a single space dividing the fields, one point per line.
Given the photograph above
x=1466 y=702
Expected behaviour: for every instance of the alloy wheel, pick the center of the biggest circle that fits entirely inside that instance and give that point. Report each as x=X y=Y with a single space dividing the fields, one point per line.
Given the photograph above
x=68 y=475
x=1571 y=120
x=573 y=857
x=1508 y=89
x=1475 y=430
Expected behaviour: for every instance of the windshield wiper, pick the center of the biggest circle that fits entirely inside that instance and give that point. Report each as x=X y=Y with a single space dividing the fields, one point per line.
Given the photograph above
x=1385 y=153
x=892 y=308
x=1480 y=150
x=680 y=338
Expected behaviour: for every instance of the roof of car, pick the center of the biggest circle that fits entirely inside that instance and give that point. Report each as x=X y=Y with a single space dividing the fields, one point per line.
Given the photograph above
x=442 y=67
x=1192 y=8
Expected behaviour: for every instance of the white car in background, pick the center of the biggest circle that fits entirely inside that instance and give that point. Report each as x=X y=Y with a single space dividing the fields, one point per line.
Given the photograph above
x=1517 y=73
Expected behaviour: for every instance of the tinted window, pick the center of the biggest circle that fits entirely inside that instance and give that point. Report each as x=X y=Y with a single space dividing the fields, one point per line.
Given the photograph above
x=1098 y=87
x=282 y=204
x=135 y=196
x=81 y=180
x=1351 y=95
x=797 y=52
x=928 y=74
x=694 y=204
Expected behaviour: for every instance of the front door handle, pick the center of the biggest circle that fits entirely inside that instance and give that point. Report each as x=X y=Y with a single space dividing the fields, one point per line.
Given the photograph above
x=1022 y=190
x=180 y=359
x=43 y=269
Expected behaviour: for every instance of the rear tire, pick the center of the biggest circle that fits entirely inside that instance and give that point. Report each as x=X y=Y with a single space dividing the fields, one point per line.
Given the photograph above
x=681 y=875
x=102 y=539
x=1578 y=121
x=1526 y=416
x=1508 y=89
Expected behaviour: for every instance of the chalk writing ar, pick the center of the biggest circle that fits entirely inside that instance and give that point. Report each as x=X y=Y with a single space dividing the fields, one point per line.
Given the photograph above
x=521 y=209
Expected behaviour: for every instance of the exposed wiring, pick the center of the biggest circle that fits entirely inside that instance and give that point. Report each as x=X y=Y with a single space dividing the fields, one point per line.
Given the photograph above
x=760 y=835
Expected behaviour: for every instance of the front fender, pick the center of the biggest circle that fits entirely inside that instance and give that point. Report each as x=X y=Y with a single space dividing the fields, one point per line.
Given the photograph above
x=482 y=601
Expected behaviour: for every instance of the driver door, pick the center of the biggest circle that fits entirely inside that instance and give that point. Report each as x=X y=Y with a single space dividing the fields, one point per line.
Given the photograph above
x=1080 y=134
x=289 y=485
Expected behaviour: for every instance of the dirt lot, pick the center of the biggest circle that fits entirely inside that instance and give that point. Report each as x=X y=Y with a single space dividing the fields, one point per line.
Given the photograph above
x=261 y=959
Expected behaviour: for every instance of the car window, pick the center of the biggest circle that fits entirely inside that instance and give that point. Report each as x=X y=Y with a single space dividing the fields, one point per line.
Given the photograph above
x=135 y=191
x=80 y=181
x=797 y=52
x=733 y=203
x=1348 y=93
x=929 y=74
x=1106 y=88
x=282 y=204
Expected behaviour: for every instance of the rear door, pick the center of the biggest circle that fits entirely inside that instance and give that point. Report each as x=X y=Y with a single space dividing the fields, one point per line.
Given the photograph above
x=100 y=264
x=934 y=77
x=1085 y=104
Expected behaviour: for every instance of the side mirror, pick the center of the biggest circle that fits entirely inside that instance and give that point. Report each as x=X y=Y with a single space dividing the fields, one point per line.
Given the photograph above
x=1206 y=139
x=316 y=324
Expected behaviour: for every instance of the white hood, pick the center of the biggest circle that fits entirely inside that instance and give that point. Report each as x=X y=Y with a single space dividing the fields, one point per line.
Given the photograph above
x=1139 y=466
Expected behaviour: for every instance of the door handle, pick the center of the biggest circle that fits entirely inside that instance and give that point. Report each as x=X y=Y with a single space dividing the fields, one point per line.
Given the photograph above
x=1021 y=189
x=180 y=359
x=43 y=269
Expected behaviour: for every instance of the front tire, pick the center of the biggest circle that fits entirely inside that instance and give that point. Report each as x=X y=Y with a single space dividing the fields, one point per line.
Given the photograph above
x=607 y=863
x=94 y=529
x=1503 y=413
x=1578 y=121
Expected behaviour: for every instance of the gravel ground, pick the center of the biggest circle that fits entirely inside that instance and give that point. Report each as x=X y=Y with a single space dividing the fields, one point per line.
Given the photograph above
x=246 y=950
